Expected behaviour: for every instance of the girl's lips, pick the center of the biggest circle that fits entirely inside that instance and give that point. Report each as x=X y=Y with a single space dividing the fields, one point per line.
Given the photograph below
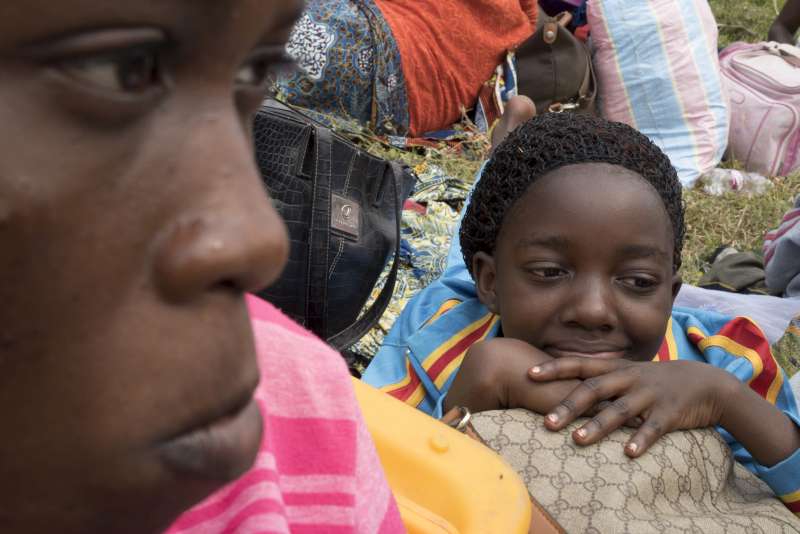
x=222 y=450
x=604 y=354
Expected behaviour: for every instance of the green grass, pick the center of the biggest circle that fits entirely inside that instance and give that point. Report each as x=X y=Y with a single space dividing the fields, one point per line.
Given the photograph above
x=744 y=20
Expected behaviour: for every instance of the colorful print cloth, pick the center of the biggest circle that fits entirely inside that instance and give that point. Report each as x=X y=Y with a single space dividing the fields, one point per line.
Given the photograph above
x=787 y=349
x=317 y=471
x=349 y=65
x=429 y=221
x=398 y=68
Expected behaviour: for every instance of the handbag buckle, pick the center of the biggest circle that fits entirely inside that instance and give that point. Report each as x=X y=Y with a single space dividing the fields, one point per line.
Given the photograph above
x=345 y=216
x=558 y=107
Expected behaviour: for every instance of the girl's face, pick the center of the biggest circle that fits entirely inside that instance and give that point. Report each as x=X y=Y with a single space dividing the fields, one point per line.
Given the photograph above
x=132 y=221
x=583 y=265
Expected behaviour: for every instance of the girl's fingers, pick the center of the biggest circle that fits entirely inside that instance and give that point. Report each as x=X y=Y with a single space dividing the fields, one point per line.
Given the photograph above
x=617 y=414
x=633 y=422
x=586 y=396
x=598 y=408
x=566 y=368
x=655 y=425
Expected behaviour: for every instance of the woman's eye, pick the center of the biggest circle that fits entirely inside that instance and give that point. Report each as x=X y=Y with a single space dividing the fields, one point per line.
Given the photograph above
x=262 y=72
x=254 y=73
x=132 y=71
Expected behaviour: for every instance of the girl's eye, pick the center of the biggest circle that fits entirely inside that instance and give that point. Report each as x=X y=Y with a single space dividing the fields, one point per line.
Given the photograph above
x=639 y=283
x=131 y=71
x=548 y=273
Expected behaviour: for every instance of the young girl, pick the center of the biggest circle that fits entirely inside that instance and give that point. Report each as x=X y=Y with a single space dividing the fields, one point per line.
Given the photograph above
x=571 y=248
x=132 y=222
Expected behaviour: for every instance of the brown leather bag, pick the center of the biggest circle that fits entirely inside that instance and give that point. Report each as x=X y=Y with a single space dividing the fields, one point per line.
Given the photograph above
x=554 y=68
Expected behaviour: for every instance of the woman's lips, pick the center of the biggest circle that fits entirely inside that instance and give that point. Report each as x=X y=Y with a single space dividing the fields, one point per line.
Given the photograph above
x=603 y=353
x=222 y=450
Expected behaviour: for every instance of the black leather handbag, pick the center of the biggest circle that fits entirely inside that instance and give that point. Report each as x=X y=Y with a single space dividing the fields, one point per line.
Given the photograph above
x=342 y=207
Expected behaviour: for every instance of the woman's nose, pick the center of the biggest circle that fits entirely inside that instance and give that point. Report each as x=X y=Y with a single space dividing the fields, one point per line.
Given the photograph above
x=591 y=305
x=229 y=235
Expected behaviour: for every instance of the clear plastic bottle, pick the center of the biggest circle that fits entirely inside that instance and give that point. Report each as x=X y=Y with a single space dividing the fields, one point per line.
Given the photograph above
x=719 y=181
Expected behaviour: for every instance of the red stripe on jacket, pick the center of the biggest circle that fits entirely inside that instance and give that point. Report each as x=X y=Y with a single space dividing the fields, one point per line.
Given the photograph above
x=748 y=335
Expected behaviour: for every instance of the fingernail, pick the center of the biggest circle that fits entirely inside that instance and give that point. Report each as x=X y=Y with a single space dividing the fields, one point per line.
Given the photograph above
x=553 y=418
x=581 y=432
x=536 y=370
x=632 y=448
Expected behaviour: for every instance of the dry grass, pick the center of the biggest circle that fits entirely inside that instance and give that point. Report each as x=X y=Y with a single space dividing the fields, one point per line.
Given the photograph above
x=733 y=219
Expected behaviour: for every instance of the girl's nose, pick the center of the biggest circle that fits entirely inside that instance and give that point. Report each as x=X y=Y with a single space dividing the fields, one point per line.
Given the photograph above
x=591 y=305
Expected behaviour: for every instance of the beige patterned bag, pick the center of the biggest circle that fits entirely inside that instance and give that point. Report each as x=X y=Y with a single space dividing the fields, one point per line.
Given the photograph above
x=687 y=482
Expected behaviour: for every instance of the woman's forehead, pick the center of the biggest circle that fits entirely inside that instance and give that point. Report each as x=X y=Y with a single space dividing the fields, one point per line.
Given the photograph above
x=39 y=19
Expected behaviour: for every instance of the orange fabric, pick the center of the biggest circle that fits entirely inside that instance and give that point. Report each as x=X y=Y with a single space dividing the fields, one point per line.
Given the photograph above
x=449 y=48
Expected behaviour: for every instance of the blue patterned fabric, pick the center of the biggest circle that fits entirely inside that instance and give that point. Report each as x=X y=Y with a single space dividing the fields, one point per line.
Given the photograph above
x=349 y=65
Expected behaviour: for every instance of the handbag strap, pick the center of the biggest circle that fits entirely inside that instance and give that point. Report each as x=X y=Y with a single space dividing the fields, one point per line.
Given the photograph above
x=361 y=326
x=319 y=232
x=790 y=53
x=588 y=90
x=550 y=26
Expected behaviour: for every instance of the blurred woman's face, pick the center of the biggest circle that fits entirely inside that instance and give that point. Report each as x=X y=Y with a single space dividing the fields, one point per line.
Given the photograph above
x=132 y=220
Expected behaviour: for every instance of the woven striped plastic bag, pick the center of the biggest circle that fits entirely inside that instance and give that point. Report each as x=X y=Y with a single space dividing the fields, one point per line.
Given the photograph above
x=658 y=71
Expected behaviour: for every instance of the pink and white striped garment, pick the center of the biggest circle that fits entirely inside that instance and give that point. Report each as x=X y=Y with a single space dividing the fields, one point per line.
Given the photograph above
x=317 y=471
x=782 y=256
x=788 y=222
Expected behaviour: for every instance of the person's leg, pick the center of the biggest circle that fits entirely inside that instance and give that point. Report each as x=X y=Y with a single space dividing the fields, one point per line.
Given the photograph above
x=518 y=109
x=786 y=24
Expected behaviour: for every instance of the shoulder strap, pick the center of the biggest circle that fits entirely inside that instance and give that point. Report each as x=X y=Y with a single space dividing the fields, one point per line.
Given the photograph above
x=356 y=331
x=319 y=232
x=790 y=53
